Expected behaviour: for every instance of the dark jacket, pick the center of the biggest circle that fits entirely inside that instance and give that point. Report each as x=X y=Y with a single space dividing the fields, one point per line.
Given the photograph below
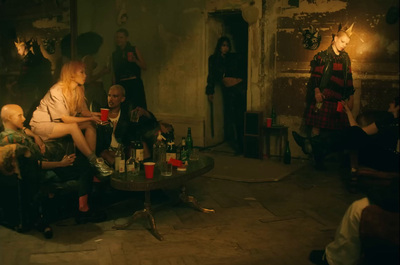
x=126 y=131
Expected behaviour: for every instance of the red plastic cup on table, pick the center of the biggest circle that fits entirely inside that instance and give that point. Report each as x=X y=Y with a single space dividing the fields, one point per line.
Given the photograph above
x=339 y=107
x=149 y=169
x=269 y=122
x=104 y=114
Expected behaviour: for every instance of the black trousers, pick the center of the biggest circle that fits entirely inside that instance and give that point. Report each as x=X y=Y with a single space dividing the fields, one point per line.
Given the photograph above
x=234 y=110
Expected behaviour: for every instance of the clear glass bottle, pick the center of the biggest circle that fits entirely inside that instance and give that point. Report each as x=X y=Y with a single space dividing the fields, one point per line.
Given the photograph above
x=171 y=150
x=118 y=154
x=121 y=166
x=132 y=148
x=132 y=166
x=139 y=151
x=159 y=150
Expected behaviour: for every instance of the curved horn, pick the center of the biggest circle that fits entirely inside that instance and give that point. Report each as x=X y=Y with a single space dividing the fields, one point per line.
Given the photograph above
x=349 y=31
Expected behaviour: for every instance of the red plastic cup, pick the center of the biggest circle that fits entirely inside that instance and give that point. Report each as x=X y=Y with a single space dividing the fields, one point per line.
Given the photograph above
x=149 y=169
x=339 y=107
x=104 y=114
x=269 y=122
x=130 y=56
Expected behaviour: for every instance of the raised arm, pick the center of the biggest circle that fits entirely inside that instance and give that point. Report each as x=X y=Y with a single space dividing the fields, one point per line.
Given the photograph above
x=139 y=60
x=370 y=129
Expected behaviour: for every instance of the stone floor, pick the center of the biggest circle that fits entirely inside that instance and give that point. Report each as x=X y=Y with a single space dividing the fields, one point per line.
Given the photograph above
x=269 y=223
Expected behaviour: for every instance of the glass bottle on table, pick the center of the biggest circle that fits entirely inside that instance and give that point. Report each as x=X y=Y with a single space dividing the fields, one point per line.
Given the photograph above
x=117 y=159
x=132 y=166
x=189 y=141
x=132 y=148
x=159 y=150
x=171 y=150
x=184 y=151
x=139 y=150
x=121 y=166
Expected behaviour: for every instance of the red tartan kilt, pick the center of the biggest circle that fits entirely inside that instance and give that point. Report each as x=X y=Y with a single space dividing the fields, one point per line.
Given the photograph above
x=327 y=117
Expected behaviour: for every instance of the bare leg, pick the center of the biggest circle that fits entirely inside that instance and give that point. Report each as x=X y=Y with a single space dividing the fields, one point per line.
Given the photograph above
x=63 y=129
x=90 y=134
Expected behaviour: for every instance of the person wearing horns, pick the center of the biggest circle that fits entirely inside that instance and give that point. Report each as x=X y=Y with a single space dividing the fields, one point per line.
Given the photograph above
x=331 y=82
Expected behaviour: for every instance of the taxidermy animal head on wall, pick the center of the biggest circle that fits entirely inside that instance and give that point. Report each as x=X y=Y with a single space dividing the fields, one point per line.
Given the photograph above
x=311 y=38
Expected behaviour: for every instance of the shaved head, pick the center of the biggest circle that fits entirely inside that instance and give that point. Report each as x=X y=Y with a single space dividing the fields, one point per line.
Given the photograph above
x=119 y=88
x=12 y=116
x=9 y=109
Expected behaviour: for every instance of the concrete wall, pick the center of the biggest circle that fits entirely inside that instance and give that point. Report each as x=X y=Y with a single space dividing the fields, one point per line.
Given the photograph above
x=170 y=36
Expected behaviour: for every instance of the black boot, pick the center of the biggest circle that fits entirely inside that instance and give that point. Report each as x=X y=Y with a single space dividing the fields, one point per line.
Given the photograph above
x=44 y=227
x=319 y=151
x=303 y=142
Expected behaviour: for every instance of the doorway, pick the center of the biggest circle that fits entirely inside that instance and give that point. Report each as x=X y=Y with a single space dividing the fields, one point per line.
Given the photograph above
x=231 y=24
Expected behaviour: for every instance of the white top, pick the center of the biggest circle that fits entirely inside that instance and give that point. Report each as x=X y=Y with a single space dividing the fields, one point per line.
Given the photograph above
x=114 y=143
x=52 y=107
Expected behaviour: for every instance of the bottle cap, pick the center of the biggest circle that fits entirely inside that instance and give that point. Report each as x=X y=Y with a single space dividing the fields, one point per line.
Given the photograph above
x=160 y=137
x=182 y=168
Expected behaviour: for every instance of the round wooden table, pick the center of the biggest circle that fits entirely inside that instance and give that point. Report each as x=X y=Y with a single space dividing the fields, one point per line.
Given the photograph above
x=178 y=179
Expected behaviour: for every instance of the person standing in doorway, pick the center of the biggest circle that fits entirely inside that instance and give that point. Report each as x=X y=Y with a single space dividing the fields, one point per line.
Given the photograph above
x=127 y=63
x=226 y=69
x=331 y=82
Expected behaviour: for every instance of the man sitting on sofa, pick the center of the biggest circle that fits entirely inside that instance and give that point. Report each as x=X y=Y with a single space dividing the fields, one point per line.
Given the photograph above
x=121 y=130
x=69 y=167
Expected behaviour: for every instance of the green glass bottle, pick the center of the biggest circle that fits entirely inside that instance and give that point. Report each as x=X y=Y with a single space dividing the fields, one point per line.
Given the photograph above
x=273 y=116
x=189 y=141
x=287 y=157
x=184 y=157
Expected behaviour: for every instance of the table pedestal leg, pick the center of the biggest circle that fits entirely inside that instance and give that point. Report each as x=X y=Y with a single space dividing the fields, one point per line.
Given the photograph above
x=146 y=212
x=193 y=202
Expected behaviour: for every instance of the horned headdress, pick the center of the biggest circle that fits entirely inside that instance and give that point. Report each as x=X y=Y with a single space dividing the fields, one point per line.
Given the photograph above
x=346 y=29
